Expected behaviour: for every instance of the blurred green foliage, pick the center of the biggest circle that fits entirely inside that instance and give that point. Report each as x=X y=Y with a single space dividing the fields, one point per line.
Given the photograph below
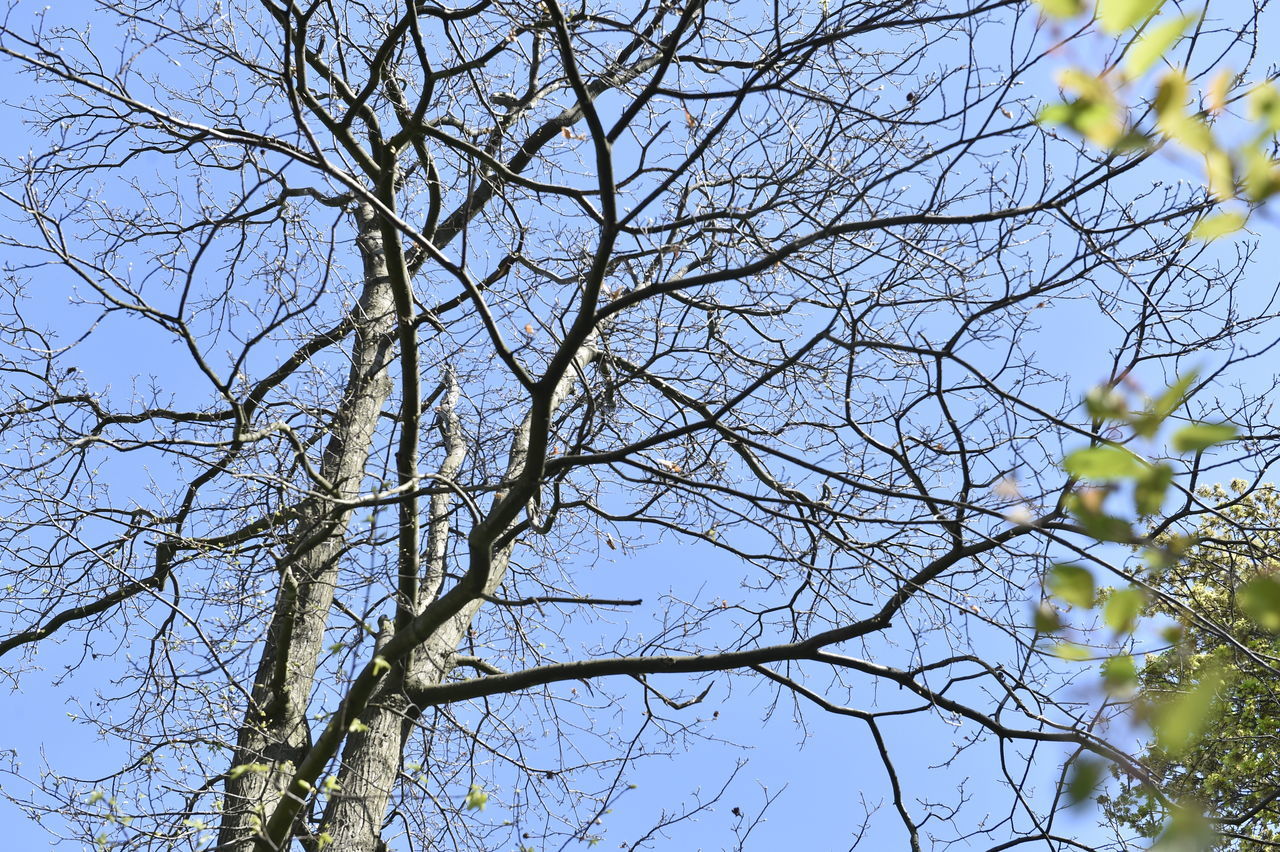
x=1223 y=750
x=1144 y=101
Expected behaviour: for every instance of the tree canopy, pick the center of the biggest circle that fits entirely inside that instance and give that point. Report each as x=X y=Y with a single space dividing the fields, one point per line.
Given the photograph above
x=419 y=416
x=1214 y=599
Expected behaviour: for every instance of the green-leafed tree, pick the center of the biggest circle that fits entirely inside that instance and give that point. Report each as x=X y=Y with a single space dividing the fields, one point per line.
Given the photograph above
x=1218 y=604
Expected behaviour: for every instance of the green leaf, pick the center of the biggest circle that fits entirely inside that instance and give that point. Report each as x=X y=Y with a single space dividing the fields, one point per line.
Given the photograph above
x=1146 y=424
x=1071 y=583
x=1046 y=618
x=1171 y=96
x=1120 y=676
x=1171 y=399
x=1163 y=556
x=380 y=665
x=1084 y=777
x=1218 y=225
x=1261 y=173
x=1186 y=831
x=1179 y=722
x=1173 y=119
x=1264 y=105
x=1094 y=112
x=1122 y=607
x=1154 y=43
x=1192 y=131
x=1201 y=436
x=1260 y=600
x=476 y=799
x=1071 y=651
x=1098 y=121
x=1055 y=114
x=237 y=771
x=1098 y=524
x=1221 y=175
x=1061 y=8
x=1104 y=464
x=1150 y=488
x=1116 y=16
x=1107 y=528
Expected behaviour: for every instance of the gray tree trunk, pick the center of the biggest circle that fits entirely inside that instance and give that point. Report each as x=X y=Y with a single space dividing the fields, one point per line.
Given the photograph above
x=274 y=734
x=372 y=756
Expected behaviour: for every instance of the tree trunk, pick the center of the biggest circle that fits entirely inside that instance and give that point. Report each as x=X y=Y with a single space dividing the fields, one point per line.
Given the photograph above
x=372 y=756
x=274 y=734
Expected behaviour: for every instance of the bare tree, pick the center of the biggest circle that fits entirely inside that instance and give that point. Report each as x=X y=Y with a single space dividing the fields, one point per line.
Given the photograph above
x=434 y=313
